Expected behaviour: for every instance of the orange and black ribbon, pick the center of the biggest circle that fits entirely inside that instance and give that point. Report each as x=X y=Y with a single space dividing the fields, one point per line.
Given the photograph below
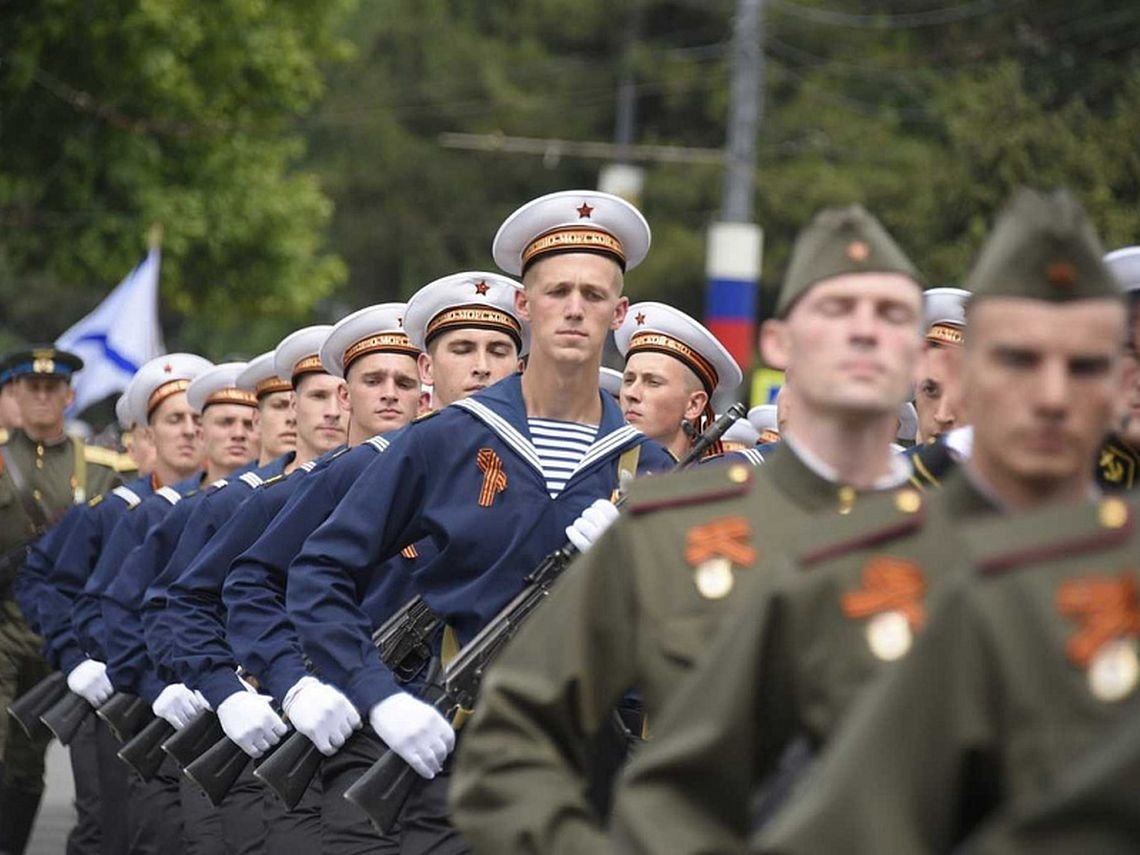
x=1106 y=608
x=889 y=585
x=723 y=538
x=494 y=478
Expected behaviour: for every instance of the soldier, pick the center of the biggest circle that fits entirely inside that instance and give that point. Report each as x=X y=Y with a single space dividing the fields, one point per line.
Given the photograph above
x=673 y=367
x=638 y=608
x=1118 y=465
x=765 y=419
x=44 y=474
x=10 y=418
x=1041 y=368
x=936 y=398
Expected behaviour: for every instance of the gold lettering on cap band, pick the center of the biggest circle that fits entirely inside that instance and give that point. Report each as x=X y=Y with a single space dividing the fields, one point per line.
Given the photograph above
x=272 y=385
x=231 y=395
x=163 y=392
x=945 y=333
x=459 y=317
x=391 y=342
x=570 y=238
x=661 y=343
x=308 y=365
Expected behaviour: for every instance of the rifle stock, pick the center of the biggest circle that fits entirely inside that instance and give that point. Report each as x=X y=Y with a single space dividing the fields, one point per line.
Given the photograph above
x=290 y=769
x=218 y=769
x=28 y=708
x=143 y=752
x=66 y=716
x=187 y=745
x=384 y=787
x=124 y=715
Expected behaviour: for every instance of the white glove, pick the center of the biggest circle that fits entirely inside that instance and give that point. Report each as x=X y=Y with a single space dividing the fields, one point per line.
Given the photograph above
x=178 y=705
x=322 y=713
x=591 y=524
x=89 y=679
x=249 y=720
x=415 y=731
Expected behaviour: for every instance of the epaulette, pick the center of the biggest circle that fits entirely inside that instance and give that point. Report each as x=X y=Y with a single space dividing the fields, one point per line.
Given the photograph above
x=270 y=481
x=753 y=456
x=127 y=495
x=101 y=456
x=309 y=465
x=251 y=480
x=930 y=465
x=95 y=501
x=213 y=485
x=1117 y=466
x=693 y=487
x=170 y=494
x=879 y=520
x=1059 y=531
x=378 y=443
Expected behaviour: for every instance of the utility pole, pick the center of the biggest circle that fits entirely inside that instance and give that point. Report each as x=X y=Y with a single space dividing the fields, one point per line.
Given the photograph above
x=735 y=243
x=622 y=177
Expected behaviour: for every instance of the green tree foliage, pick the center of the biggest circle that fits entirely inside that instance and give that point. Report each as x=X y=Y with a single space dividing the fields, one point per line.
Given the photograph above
x=122 y=113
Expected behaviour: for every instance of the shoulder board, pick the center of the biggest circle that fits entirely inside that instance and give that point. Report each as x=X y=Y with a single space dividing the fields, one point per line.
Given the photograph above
x=251 y=480
x=930 y=465
x=1059 y=531
x=378 y=443
x=170 y=494
x=216 y=485
x=877 y=520
x=101 y=456
x=127 y=495
x=95 y=501
x=753 y=456
x=309 y=465
x=269 y=481
x=428 y=415
x=693 y=487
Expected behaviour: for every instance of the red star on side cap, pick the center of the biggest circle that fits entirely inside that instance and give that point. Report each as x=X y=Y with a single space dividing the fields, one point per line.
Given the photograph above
x=584 y=211
x=482 y=287
x=640 y=318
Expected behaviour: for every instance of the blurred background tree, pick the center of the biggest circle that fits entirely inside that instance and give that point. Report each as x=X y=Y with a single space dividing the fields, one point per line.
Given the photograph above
x=293 y=150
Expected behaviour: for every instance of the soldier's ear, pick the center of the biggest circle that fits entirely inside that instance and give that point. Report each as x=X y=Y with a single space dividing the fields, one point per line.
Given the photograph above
x=696 y=405
x=423 y=363
x=774 y=344
x=620 y=312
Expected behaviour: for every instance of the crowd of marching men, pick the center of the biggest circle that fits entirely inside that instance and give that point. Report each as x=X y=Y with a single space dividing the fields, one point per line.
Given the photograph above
x=399 y=585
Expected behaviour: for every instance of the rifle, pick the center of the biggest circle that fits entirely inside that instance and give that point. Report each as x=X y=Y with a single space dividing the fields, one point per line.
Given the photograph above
x=124 y=715
x=66 y=716
x=28 y=708
x=384 y=787
x=404 y=645
x=143 y=752
x=193 y=740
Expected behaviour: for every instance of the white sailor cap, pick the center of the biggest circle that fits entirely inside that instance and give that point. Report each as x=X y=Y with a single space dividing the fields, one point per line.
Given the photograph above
x=944 y=310
x=160 y=378
x=1124 y=264
x=123 y=412
x=662 y=329
x=469 y=299
x=609 y=380
x=741 y=431
x=572 y=221
x=908 y=422
x=260 y=377
x=373 y=329
x=764 y=419
x=299 y=352
x=219 y=385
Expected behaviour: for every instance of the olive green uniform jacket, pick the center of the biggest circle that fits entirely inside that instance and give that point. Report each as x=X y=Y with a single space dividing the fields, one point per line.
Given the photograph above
x=634 y=612
x=800 y=648
x=1025 y=660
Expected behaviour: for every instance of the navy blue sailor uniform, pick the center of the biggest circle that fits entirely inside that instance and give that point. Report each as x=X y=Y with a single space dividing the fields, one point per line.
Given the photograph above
x=470 y=479
x=207 y=517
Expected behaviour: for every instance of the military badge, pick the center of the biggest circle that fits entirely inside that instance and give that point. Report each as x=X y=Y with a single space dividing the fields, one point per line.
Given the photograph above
x=891 y=600
x=1105 y=643
x=713 y=548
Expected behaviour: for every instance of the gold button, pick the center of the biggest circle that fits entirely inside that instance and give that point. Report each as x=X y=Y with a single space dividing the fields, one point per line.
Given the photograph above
x=40 y=450
x=37 y=495
x=39 y=464
x=908 y=501
x=846 y=499
x=737 y=474
x=1112 y=513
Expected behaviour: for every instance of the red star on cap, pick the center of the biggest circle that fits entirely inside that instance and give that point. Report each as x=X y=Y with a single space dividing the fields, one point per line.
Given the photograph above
x=167 y=368
x=640 y=318
x=482 y=287
x=584 y=211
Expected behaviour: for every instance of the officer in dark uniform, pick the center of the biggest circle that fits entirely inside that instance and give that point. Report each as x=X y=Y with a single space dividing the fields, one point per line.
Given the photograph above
x=45 y=472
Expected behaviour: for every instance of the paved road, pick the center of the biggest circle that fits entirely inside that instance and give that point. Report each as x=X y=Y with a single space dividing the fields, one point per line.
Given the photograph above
x=57 y=814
